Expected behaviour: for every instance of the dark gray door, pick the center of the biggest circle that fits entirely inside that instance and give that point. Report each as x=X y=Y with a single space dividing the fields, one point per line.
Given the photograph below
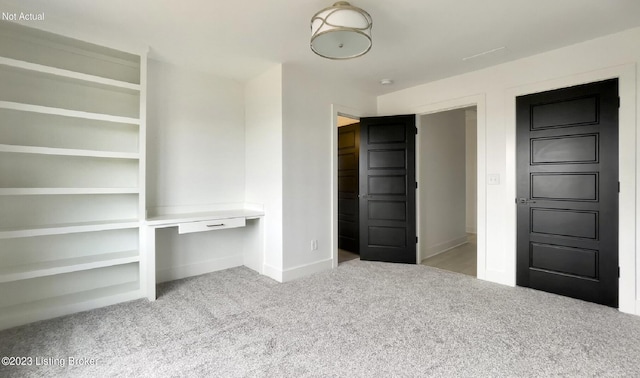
x=567 y=168
x=348 y=214
x=388 y=189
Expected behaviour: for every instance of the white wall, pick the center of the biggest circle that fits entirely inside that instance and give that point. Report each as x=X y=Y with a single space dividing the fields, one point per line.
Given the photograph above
x=180 y=256
x=616 y=55
x=285 y=167
x=442 y=181
x=307 y=154
x=195 y=138
x=195 y=159
x=471 y=141
x=264 y=160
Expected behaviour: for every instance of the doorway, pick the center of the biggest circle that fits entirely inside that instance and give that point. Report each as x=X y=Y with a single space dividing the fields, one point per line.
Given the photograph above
x=467 y=138
x=376 y=189
x=447 y=190
x=348 y=182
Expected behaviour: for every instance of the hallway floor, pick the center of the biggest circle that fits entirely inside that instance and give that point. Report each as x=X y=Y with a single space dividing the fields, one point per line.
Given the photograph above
x=344 y=256
x=462 y=259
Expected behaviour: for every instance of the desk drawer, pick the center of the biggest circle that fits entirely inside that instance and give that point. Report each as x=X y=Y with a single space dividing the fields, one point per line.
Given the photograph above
x=212 y=225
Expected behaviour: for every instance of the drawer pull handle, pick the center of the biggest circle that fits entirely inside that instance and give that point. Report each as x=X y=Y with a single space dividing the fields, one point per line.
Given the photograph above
x=215 y=225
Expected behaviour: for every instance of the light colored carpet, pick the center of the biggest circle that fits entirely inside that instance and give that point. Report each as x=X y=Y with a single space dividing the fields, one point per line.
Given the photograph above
x=363 y=319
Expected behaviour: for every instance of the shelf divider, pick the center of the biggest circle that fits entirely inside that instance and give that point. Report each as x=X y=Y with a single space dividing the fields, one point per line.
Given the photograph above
x=67 y=113
x=68 y=152
x=62 y=191
x=67 y=228
x=49 y=268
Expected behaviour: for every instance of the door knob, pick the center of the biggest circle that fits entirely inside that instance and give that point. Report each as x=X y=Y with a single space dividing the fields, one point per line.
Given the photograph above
x=524 y=201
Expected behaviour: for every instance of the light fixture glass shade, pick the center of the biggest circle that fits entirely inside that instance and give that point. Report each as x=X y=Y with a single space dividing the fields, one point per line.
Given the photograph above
x=341 y=31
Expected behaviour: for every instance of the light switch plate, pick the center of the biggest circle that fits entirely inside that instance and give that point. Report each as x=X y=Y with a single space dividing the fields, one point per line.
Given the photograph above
x=493 y=179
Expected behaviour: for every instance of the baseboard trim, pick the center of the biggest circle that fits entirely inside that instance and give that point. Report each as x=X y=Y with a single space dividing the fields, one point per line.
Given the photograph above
x=444 y=247
x=196 y=269
x=472 y=230
x=499 y=277
x=272 y=272
x=306 y=270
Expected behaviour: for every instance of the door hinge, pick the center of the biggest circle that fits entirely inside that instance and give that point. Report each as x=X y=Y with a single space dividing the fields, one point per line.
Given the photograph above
x=416 y=185
x=416 y=131
x=618 y=272
x=416 y=240
x=618 y=186
x=618 y=102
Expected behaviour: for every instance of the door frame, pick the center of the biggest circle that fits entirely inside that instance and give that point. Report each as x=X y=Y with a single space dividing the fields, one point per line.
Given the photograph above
x=627 y=160
x=464 y=102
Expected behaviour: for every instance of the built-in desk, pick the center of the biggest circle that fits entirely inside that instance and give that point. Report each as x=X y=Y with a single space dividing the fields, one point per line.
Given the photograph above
x=188 y=223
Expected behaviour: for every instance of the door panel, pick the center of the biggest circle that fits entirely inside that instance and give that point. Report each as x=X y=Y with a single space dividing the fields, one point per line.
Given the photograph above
x=567 y=186
x=388 y=185
x=568 y=223
x=567 y=163
x=348 y=165
x=388 y=210
x=565 y=113
x=387 y=189
x=576 y=261
x=565 y=149
x=387 y=159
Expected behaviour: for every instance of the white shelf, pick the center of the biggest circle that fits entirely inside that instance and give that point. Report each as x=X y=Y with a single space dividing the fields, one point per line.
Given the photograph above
x=49 y=268
x=67 y=113
x=60 y=191
x=68 y=74
x=68 y=152
x=67 y=304
x=37 y=46
x=68 y=228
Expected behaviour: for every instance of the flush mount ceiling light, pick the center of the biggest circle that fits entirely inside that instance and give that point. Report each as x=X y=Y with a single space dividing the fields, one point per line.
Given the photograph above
x=341 y=31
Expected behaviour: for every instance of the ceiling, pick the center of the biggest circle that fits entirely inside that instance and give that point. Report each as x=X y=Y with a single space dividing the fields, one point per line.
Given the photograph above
x=414 y=41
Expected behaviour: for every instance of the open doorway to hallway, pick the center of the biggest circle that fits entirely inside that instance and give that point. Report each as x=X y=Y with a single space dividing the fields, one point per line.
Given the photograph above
x=447 y=182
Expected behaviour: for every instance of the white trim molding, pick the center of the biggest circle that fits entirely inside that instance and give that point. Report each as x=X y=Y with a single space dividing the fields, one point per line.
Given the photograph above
x=296 y=272
x=272 y=272
x=479 y=101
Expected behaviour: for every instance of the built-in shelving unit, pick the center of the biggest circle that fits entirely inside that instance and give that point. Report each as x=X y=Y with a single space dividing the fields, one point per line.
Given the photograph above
x=72 y=168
